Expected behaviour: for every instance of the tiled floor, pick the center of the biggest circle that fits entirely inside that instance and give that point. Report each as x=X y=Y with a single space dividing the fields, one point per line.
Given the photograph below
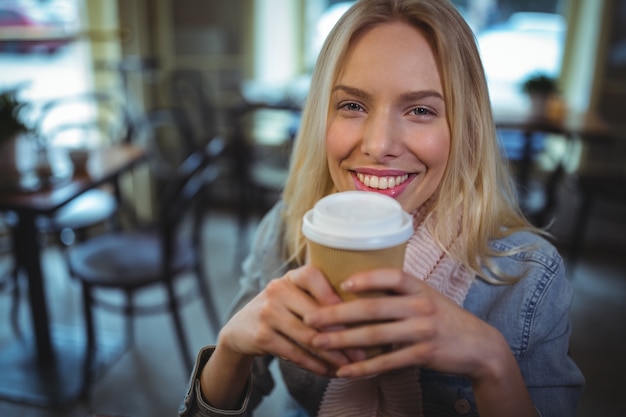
x=149 y=379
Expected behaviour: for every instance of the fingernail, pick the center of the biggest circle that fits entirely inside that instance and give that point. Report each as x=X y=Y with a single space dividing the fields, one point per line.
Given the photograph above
x=343 y=373
x=347 y=285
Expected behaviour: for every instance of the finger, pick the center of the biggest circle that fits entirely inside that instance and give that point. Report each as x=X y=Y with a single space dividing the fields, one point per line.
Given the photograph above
x=311 y=280
x=303 y=337
x=285 y=319
x=371 y=309
x=377 y=334
x=356 y=355
x=289 y=296
x=386 y=280
x=288 y=350
x=335 y=358
x=413 y=356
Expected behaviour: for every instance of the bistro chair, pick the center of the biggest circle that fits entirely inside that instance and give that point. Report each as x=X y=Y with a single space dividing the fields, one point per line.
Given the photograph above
x=190 y=92
x=196 y=112
x=84 y=120
x=261 y=138
x=157 y=255
x=102 y=118
x=600 y=180
x=168 y=140
x=537 y=170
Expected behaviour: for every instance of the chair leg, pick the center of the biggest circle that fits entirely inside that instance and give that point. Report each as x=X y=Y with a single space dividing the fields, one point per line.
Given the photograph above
x=178 y=325
x=582 y=218
x=129 y=311
x=15 y=304
x=209 y=305
x=90 y=346
x=201 y=277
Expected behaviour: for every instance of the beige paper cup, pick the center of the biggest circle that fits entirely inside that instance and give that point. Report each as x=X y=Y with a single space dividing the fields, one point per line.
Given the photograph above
x=339 y=264
x=356 y=231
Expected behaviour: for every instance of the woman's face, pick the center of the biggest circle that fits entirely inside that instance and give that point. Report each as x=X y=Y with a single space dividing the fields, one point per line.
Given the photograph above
x=387 y=129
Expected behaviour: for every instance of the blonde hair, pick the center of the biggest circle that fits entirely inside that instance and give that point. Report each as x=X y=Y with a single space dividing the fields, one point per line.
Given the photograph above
x=475 y=186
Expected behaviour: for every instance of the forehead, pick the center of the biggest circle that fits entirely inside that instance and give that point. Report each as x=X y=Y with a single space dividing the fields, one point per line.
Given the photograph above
x=388 y=51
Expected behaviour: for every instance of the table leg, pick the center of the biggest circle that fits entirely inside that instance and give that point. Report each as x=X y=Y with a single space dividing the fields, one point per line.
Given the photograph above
x=29 y=261
x=47 y=369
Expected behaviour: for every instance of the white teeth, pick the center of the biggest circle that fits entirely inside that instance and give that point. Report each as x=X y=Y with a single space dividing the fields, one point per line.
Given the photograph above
x=381 y=183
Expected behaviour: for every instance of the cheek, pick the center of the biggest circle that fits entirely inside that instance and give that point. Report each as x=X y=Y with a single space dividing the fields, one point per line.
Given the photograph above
x=434 y=151
x=337 y=144
x=441 y=153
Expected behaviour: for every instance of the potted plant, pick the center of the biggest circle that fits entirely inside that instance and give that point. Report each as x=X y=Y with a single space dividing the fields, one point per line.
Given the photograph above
x=540 y=84
x=541 y=89
x=10 y=121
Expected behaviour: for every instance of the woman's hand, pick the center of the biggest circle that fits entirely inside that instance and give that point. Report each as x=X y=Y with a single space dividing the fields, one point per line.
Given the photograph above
x=424 y=327
x=272 y=323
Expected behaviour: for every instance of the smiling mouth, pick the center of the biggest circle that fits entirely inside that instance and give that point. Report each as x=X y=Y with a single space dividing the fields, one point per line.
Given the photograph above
x=381 y=183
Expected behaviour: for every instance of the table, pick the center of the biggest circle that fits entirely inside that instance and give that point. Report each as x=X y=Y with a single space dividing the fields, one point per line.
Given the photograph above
x=45 y=381
x=575 y=125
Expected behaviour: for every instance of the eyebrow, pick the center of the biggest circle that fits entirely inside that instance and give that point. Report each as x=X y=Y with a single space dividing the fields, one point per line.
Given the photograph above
x=409 y=96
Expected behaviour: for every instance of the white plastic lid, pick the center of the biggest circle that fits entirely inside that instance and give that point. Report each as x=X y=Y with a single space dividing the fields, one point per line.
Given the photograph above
x=358 y=220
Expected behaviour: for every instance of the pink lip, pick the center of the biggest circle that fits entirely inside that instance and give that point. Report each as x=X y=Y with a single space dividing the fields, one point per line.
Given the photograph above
x=391 y=192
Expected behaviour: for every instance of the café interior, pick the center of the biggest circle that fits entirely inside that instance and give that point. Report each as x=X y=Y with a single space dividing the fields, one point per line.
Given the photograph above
x=155 y=128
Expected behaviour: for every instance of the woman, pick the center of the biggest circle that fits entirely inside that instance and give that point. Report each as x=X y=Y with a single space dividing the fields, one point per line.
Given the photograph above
x=478 y=317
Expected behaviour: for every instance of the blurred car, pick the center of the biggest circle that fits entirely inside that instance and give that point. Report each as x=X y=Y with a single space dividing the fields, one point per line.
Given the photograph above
x=29 y=29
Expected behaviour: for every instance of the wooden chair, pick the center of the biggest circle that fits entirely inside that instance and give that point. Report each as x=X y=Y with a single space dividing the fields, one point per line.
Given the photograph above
x=261 y=138
x=146 y=257
x=536 y=185
x=96 y=115
x=190 y=93
x=168 y=139
x=88 y=119
x=601 y=177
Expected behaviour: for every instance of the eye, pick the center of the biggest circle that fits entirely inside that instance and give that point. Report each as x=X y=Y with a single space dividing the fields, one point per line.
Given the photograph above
x=422 y=111
x=351 y=106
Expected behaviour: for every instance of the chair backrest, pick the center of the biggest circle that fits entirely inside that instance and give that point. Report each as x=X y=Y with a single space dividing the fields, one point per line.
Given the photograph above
x=86 y=119
x=603 y=158
x=262 y=138
x=182 y=192
x=190 y=93
x=168 y=140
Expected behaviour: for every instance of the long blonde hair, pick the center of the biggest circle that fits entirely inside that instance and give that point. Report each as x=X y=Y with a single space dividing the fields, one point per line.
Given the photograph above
x=476 y=185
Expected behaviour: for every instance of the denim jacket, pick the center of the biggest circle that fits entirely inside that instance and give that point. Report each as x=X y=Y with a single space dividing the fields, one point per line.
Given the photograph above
x=532 y=314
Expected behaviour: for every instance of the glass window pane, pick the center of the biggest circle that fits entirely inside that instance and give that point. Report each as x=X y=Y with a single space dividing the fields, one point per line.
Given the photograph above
x=517 y=39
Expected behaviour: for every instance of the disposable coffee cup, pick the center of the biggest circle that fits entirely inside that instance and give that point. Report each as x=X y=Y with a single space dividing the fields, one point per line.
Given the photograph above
x=356 y=231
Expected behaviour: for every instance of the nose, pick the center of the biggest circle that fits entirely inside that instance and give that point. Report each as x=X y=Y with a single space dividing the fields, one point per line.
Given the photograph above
x=381 y=137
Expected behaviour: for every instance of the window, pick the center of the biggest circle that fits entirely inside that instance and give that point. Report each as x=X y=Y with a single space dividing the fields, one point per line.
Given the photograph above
x=517 y=39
